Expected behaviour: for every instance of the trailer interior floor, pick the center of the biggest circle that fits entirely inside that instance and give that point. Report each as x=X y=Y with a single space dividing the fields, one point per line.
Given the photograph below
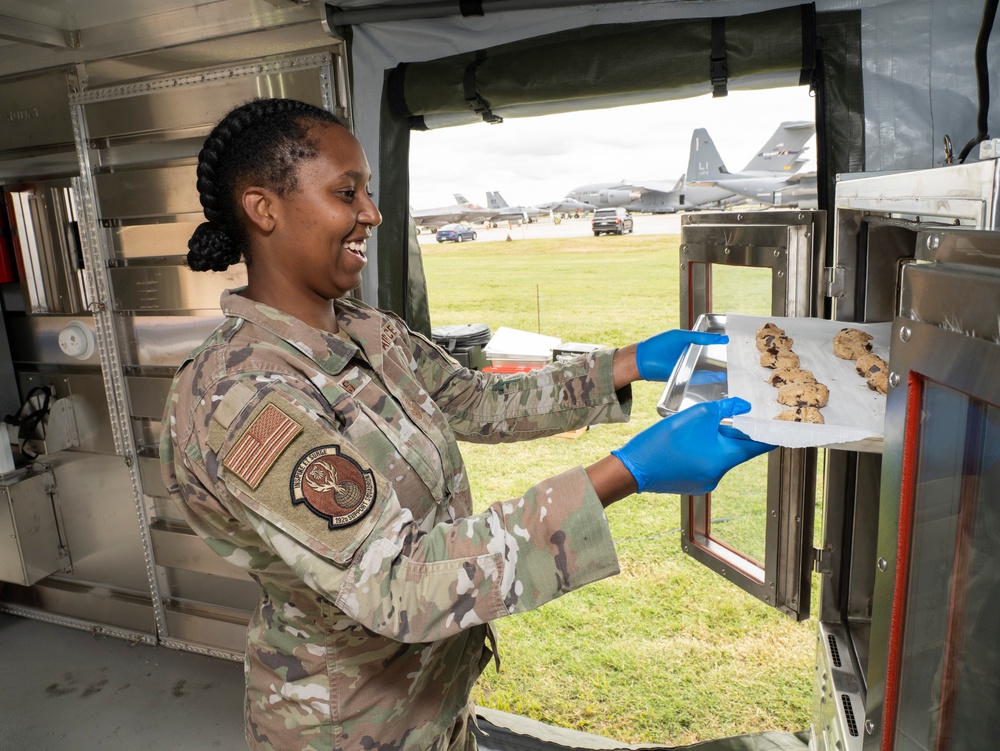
x=63 y=689
x=67 y=689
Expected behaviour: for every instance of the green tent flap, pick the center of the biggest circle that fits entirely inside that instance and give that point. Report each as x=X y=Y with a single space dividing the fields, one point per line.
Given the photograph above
x=610 y=61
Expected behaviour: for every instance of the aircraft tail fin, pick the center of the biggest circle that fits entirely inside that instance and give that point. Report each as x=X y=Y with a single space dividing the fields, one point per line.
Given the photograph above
x=783 y=150
x=495 y=201
x=459 y=198
x=704 y=162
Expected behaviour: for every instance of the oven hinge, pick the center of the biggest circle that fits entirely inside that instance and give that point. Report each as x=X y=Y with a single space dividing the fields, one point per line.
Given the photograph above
x=833 y=281
x=821 y=562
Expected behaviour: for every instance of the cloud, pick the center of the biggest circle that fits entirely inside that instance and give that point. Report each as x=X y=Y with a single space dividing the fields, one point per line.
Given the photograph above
x=532 y=160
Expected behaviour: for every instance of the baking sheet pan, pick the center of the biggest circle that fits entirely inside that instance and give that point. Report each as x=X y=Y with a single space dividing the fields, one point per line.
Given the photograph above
x=854 y=416
x=854 y=412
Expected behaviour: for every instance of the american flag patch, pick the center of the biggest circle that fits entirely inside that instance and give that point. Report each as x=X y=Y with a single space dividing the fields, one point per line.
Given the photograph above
x=261 y=445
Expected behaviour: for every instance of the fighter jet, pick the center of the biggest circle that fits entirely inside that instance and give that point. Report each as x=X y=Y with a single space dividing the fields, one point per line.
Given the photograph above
x=772 y=176
x=505 y=212
x=463 y=211
x=567 y=205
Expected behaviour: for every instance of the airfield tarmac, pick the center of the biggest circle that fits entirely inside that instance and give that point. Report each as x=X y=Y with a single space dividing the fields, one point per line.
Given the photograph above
x=644 y=224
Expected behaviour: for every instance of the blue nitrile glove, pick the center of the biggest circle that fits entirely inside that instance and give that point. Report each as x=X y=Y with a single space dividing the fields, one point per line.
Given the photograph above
x=689 y=452
x=657 y=356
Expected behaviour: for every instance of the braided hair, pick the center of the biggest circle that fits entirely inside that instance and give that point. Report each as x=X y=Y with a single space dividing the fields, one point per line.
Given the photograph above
x=261 y=142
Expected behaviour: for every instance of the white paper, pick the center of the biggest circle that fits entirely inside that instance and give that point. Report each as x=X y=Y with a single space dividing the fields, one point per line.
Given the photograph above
x=514 y=342
x=854 y=412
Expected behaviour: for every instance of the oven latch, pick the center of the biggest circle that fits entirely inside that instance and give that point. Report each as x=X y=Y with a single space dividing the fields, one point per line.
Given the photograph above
x=821 y=563
x=833 y=281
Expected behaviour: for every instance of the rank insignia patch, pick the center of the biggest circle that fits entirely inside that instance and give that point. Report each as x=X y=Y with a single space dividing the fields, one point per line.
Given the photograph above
x=333 y=486
x=261 y=445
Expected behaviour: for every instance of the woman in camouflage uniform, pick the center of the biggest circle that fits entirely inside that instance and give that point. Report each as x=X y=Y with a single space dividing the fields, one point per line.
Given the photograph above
x=312 y=440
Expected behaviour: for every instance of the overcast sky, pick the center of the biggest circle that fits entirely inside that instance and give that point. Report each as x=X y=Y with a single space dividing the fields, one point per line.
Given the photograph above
x=538 y=159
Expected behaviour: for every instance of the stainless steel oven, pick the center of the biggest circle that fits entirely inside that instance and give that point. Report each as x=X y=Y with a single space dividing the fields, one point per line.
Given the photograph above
x=907 y=658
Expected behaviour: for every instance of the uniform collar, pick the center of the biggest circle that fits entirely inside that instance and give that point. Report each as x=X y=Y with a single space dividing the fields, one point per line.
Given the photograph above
x=329 y=351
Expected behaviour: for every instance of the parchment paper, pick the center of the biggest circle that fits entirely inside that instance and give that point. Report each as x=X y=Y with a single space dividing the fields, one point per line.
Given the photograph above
x=854 y=412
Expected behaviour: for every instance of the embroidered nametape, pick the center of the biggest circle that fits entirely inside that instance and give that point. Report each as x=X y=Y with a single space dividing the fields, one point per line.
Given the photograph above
x=389 y=335
x=261 y=444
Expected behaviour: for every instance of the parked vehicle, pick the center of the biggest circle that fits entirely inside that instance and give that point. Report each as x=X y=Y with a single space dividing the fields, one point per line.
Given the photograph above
x=459 y=232
x=616 y=221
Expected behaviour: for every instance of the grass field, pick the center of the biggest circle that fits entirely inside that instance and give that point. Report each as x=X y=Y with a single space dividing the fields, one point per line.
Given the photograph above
x=667 y=652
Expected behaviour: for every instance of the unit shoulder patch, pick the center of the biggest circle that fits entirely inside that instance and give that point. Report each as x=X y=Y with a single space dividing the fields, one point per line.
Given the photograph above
x=333 y=486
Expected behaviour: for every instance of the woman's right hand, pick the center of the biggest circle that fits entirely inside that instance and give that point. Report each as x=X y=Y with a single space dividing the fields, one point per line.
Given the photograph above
x=689 y=452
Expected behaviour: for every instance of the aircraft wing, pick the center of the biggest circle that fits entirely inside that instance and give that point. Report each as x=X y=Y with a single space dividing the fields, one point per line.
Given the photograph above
x=438 y=217
x=655 y=186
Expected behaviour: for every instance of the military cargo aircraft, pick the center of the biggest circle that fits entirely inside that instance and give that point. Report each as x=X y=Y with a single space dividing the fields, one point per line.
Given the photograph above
x=780 y=156
x=772 y=177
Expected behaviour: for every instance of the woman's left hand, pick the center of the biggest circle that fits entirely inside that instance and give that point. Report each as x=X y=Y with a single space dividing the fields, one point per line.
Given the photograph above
x=657 y=356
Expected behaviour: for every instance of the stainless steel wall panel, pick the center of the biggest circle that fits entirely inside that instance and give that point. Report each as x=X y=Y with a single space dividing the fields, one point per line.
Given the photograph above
x=147 y=396
x=239 y=595
x=195 y=110
x=28 y=527
x=96 y=604
x=160 y=239
x=210 y=627
x=139 y=28
x=33 y=113
x=166 y=509
x=263 y=44
x=149 y=289
x=152 y=483
x=160 y=191
x=102 y=527
x=165 y=341
x=147 y=434
x=180 y=548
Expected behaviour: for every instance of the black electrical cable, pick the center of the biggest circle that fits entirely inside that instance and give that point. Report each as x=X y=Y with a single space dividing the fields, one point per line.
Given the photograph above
x=28 y=423
x=982 y=78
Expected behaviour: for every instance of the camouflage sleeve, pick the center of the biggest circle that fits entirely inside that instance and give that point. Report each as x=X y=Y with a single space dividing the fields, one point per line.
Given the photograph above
x=492 y=408
x=320 y=507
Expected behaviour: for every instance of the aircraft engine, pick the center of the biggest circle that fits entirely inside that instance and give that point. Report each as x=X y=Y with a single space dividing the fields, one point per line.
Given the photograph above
x=618 y=197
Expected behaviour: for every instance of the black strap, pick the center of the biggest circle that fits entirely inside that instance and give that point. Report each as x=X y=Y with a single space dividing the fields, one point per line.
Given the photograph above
x=479 y=105
x=471 y=7
x=395 y=88
x=807 y=76
x=719 y=70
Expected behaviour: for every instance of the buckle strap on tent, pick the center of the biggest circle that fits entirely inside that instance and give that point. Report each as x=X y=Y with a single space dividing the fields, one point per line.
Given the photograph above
x=471 y=7
x=479 y=105
x=719 y=70
x=808 y=74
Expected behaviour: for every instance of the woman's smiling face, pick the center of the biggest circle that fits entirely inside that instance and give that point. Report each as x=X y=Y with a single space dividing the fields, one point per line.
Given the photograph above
x=317 y=246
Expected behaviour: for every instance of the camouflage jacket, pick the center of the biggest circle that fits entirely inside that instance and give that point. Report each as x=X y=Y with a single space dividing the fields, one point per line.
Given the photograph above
x=327 y=467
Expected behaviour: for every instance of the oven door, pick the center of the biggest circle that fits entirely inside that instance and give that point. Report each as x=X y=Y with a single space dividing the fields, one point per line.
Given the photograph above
x=756 y=528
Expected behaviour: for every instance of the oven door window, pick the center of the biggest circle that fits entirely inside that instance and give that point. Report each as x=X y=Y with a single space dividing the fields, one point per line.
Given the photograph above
x=949 y=663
